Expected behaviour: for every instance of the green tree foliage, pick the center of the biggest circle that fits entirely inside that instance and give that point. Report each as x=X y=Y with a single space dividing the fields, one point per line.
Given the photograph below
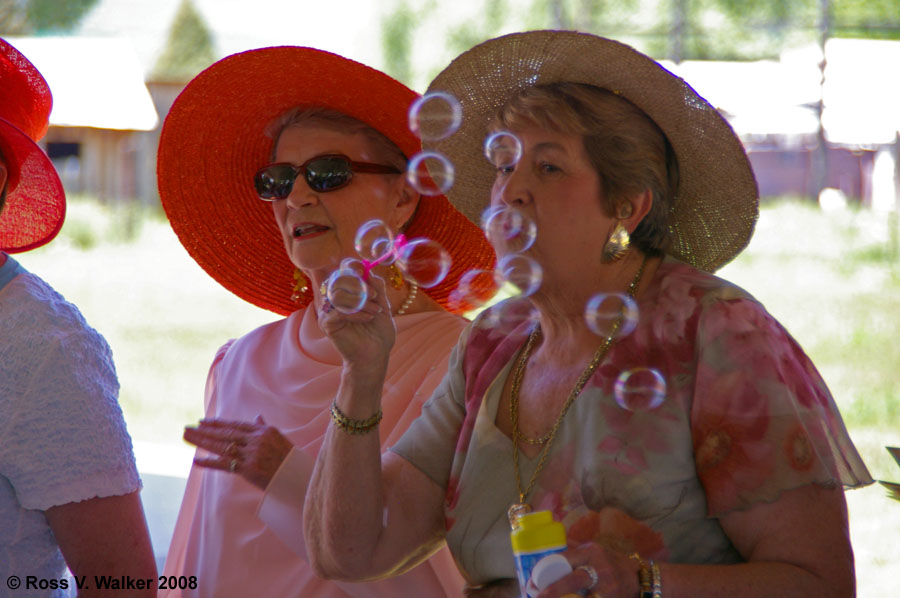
x=189 y=48
x=396 y=41
x=879 y=19
x=674 y=29
x=466 y=35
x=28 y=17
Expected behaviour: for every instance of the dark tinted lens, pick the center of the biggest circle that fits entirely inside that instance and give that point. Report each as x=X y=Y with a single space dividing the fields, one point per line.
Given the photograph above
x=275 y=181
x=328 y=174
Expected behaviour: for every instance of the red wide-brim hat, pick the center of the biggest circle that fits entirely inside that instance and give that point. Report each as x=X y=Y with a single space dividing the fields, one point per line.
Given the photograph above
x=213 y=141
x=36 y=202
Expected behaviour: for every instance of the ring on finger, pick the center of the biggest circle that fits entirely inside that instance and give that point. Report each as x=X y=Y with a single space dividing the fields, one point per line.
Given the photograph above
x=233 y=465
x=592 y=573
x=232 y=448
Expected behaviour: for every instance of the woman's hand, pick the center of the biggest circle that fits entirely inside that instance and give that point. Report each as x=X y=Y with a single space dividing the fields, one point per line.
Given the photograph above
x=253 y=450
x=616 y=574
x=363 y=338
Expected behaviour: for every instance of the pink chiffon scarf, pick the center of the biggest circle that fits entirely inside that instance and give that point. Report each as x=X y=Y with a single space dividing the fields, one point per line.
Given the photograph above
x=289 y=372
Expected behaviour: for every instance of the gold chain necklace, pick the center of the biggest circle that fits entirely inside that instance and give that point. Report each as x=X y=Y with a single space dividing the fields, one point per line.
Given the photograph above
x=521 y=507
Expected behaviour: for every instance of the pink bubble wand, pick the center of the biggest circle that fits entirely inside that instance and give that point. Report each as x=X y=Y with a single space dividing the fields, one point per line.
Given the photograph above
x=398 y=244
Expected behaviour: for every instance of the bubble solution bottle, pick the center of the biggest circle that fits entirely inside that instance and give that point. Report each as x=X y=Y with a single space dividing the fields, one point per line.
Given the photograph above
x=537 y=537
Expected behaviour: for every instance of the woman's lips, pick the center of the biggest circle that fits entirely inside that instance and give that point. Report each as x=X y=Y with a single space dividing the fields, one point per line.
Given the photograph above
x=308 y=229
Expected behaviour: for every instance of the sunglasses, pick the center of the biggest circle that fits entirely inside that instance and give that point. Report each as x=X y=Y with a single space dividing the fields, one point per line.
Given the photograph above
x=322 y=173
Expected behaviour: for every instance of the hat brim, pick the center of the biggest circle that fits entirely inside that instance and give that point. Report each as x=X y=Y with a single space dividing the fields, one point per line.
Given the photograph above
x=716 y=204
x=213 y=141
x=36 y=201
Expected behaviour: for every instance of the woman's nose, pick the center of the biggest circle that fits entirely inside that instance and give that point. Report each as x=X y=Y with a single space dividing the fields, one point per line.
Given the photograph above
x=512 y=190
x=301 y=195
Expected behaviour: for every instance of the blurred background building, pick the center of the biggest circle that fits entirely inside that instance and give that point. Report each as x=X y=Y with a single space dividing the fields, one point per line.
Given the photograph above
x=807 y=84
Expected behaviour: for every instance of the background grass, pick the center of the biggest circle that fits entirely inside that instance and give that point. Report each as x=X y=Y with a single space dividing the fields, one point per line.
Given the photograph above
x=831 y=278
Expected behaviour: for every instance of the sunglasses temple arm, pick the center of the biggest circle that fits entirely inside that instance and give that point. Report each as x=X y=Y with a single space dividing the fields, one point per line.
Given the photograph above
x=399 y=242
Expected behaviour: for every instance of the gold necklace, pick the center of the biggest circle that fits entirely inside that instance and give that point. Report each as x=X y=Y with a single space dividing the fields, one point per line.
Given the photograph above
x=521 y=507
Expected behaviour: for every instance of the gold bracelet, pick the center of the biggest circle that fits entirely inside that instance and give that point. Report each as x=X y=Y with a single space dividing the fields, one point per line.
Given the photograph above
x=354 y=426
x=644 y=577
x=657 y=580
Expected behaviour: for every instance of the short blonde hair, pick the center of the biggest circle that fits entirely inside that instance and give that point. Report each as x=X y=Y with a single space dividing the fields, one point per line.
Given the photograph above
x=627 y=149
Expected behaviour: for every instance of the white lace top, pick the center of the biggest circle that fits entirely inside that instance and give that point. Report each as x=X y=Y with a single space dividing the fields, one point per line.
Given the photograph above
x=62 y=435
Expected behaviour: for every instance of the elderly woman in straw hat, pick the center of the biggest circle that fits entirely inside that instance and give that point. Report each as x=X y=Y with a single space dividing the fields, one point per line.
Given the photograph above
x=269 y=163
x=721 y=474
x=69 y=488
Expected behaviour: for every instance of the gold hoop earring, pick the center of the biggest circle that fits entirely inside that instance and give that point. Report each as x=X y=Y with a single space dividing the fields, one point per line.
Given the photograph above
x=395 y=277
x=617 y=245
x=301 y=285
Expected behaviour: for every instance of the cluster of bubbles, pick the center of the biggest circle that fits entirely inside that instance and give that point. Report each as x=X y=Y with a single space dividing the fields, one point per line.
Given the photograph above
x=510 y=231
x=433 y=117
x=422 y=261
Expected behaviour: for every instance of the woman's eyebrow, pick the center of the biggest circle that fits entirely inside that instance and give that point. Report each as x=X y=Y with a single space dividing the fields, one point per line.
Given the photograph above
x=549 y=145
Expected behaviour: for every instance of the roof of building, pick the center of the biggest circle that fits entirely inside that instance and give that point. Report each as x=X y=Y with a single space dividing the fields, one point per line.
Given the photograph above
x=780 y=97
x=96 y=82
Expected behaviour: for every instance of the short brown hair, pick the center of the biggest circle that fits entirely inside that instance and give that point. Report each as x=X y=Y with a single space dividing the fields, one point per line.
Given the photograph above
x=627 y=149
x=340 y=122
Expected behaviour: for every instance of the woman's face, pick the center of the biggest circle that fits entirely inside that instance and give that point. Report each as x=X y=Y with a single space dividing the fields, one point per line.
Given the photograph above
x=318 y=229
x=555 y=184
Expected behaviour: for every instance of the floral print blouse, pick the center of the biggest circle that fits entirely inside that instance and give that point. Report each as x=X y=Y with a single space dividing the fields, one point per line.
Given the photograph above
x=745 y=417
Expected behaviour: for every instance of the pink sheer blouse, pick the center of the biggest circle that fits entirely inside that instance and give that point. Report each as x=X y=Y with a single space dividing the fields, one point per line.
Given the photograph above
x=240 y=541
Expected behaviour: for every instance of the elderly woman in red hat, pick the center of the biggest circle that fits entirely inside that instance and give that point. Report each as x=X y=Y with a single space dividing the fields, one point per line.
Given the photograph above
x=269 y=163
x=69 y=489
x=721 y=473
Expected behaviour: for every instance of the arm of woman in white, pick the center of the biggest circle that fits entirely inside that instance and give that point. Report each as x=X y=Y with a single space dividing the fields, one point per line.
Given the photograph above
x=106 y=536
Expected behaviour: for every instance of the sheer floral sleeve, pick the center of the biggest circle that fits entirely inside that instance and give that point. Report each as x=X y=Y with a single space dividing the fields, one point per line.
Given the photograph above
x=763 y=420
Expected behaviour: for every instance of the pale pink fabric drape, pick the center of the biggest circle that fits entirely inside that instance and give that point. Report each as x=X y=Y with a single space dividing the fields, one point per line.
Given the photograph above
x=289 y=372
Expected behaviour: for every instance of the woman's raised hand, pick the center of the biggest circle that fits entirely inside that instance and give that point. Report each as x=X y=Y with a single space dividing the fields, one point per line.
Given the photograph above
x=365 y=337
x=254 y=451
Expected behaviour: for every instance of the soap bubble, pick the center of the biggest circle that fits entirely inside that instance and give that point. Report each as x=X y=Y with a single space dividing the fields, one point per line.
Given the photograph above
x=502 y=149
x=522 y=272
x=640 y=389
x=434 y=116
x=346 y=290
x=354 y=264
x=430 y=173
x=611 y=314
x=509 y=230
x=425 y=262
x=475 y=288
x=375 y=242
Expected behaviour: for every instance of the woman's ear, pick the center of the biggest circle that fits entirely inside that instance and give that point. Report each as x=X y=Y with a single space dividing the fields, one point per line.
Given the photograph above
x=406 y=201
x=635 y=209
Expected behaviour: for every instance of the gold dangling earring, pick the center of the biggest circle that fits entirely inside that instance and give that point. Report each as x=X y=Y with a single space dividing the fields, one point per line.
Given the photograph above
x=301 y=285
x=617 y=245
x=395 y=277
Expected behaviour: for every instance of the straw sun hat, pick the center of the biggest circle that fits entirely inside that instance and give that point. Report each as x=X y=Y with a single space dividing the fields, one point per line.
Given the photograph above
x=716 y=204
x=36 y=202
x=213 y=141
